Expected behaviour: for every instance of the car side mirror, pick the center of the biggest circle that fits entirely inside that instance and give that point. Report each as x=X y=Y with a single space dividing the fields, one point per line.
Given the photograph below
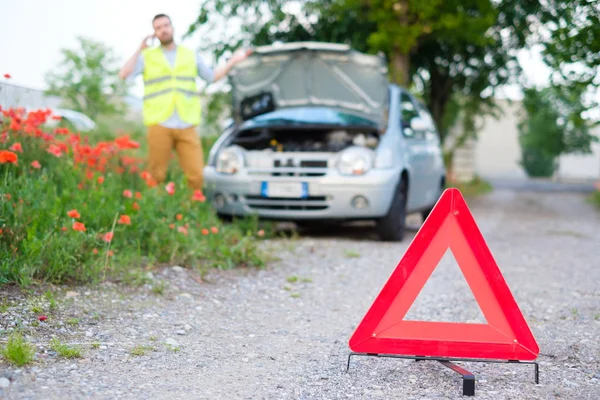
x=418 y=124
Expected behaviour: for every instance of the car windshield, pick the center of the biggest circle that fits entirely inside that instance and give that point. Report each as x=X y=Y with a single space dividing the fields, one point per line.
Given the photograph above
x=312 y=116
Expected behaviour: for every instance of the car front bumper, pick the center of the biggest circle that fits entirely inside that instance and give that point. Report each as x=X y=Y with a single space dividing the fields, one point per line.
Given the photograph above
x=332 y=196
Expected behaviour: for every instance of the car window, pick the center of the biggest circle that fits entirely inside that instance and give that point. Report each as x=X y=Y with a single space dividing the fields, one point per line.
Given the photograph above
x=431 y=134
x=408 y=111
x=311 y=115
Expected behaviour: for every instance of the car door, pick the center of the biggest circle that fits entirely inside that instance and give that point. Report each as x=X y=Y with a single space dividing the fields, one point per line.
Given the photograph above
x=416 y=148
x=434 y=168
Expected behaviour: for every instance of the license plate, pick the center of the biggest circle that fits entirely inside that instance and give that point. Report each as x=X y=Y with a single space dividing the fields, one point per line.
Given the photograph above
x=296 y=190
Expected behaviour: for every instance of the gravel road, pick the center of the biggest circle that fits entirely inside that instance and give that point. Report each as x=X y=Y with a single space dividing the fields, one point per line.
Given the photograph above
x=282 y=332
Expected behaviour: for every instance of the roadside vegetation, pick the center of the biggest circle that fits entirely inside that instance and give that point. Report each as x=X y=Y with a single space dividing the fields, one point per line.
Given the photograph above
x=76 y=208
x=475 y=187
x=595 y=197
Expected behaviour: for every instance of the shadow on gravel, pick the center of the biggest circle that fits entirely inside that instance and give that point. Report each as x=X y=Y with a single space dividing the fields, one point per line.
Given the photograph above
x=354 y=231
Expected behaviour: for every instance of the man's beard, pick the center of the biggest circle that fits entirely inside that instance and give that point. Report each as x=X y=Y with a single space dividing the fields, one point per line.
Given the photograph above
x=166 y=42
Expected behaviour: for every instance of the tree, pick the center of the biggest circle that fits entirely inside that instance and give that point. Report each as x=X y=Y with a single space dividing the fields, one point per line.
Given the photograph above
x=552 y=125
x=557 y=118
x=87 y=79
x=453 y=53
x=449 y=47
x=570 y=40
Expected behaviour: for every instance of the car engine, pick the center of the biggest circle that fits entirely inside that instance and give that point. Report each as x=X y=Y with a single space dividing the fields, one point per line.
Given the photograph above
x=305 y=140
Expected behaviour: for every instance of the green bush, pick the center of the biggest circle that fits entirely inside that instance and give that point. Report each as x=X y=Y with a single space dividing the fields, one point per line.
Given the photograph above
x=595 y=198
x=537 y=163
x=73 y=209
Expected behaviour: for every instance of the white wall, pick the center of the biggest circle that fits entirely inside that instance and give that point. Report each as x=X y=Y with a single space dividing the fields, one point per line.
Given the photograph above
x=581 y=167
x=497 y=151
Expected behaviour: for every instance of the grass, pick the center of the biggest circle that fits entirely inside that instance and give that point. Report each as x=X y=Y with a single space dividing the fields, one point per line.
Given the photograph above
x=140 y=350
x=18 y=351
x=159 y=288
x=4 y=306
x=476 y=187
x=172 y=348
x=83 y=209
x=352 y=254
x=64 y=350
x=595 y=198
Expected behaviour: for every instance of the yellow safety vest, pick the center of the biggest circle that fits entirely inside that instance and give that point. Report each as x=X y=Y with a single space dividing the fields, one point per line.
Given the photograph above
x=167 y=89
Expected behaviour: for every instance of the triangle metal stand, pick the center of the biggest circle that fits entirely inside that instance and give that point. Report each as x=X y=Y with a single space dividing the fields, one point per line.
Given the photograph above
x=467 y=377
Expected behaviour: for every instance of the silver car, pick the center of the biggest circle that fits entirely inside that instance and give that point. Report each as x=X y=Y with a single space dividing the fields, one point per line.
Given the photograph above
x=319 y=134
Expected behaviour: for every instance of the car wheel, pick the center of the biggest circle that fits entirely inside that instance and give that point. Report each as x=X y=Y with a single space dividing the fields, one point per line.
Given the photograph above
x=225 y=218
x=391 y=227
x=426 y=213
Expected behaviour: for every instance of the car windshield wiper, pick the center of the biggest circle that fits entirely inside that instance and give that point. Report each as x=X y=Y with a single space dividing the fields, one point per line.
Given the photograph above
x=287 y=121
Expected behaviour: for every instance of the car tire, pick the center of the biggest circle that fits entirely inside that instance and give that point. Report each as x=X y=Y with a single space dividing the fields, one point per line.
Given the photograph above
x=225 y=218
x=426 y=213
x=391 y=228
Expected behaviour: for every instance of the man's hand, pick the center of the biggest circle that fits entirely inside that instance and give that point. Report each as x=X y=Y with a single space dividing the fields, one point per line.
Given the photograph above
x=240 y=55
x=130 y=64
x=145 y=41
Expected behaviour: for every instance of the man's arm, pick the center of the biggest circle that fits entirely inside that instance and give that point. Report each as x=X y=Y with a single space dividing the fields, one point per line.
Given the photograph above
x=237 y=57
x=130 y=65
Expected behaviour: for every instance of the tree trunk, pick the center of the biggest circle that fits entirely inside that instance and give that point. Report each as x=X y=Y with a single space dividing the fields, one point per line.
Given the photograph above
x=439 y=96
x=400 y=69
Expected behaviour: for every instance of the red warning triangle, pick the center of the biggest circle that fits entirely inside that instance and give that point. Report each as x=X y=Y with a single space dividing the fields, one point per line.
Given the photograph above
x=506 y=336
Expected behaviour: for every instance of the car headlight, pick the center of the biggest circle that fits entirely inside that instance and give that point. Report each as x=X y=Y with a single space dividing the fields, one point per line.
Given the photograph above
x=230 y=160
x=355 y=161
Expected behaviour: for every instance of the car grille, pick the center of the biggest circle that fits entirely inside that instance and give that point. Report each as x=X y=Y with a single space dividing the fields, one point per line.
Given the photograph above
x=288 y=168
x=312 y=203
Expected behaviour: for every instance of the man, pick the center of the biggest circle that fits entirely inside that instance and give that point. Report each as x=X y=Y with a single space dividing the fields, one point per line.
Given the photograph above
x=172 y=108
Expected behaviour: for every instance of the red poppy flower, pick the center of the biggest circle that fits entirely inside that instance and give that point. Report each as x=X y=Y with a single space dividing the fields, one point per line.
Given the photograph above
x=17 y=147
x=78 y=226
x=74 y=214
x=198 y=196
x=8 y=157
x=170 y=188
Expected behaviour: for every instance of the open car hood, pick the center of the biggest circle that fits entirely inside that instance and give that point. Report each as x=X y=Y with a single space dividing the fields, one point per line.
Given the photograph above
x=309 y=74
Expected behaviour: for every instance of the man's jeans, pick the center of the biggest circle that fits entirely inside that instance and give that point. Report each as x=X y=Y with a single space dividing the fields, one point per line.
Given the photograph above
x=186 y=142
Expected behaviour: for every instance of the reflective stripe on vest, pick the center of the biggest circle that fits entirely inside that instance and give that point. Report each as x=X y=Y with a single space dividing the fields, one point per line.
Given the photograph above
x=168 y=89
